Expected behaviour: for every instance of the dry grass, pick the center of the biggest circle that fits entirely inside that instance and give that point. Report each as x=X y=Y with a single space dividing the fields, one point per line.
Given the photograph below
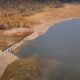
x=12 y=14
x=16 y=21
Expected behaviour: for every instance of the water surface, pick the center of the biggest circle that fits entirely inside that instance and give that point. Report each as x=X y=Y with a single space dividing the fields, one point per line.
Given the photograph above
x=61 y=43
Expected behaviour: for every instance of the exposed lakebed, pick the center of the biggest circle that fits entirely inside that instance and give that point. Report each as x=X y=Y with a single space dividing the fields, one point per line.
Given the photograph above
x=58 y=50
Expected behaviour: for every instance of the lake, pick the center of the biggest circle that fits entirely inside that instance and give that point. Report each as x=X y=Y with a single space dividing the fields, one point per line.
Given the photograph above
x=62 y=44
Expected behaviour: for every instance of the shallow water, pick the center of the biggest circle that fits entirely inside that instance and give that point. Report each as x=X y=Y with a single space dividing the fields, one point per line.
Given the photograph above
x=61 y=43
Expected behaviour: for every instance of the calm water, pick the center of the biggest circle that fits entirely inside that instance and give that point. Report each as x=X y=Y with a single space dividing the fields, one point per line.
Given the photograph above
x=60 y=43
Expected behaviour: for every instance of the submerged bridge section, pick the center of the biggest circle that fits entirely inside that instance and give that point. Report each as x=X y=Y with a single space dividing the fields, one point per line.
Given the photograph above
x=6 y=56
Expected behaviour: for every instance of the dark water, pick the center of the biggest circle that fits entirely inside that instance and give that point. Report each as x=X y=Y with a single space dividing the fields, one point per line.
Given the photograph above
x=60 y=43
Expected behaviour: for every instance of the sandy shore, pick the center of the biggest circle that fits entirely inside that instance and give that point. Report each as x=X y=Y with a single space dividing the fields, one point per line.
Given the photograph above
x=53 y=16
x=46 y=19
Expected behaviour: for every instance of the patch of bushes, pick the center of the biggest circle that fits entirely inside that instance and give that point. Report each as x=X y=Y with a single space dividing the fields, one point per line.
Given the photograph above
x=29 y=7
x=13 y=12
x=16 y=21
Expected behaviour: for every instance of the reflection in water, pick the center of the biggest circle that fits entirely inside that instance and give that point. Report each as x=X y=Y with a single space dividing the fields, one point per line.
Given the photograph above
x=59 y=51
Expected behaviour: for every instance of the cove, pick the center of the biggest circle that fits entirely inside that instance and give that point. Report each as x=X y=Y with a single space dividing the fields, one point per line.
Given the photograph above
x=62 y=42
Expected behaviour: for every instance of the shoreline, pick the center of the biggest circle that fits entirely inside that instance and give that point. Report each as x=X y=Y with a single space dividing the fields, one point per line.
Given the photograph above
x=32 y=37
x=56 y=22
